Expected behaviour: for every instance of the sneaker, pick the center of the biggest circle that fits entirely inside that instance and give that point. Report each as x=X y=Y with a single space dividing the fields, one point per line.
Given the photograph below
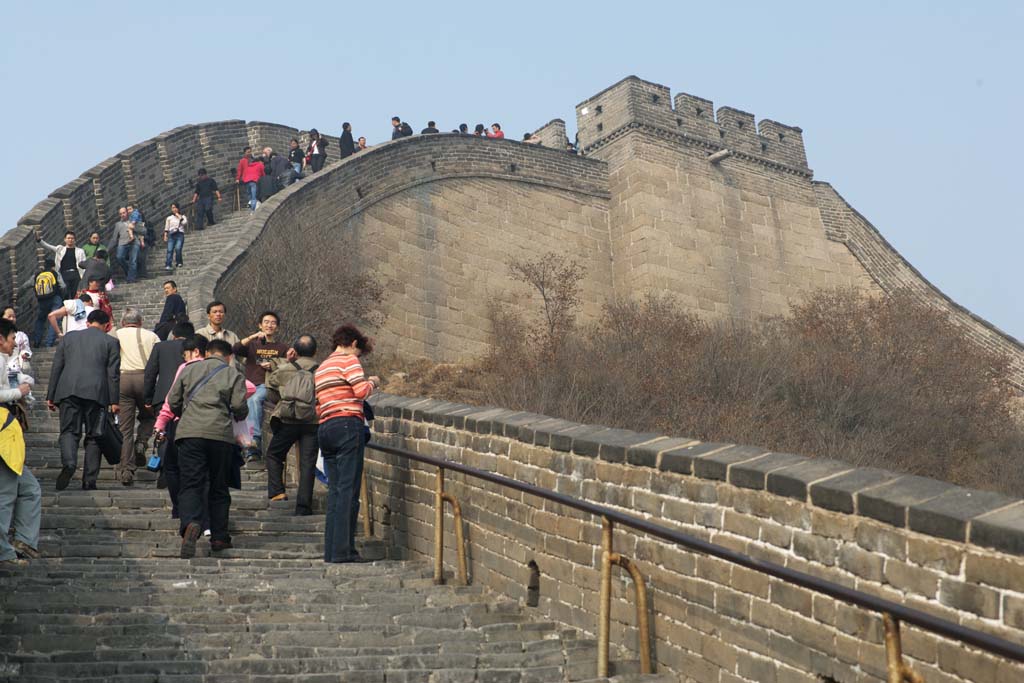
x=64 y=478
x=217 y=546
x=188 y=541
x=140 y=454
x=161 y=480
x=279 y=497
x=13 y=563
x=25 y=551
x=206 y=533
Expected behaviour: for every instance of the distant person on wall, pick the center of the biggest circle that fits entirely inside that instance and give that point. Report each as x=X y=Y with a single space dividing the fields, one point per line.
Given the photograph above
x=96 y=268
x=251 y=177
x=399 y=129
x=21 y=355
x=480 y=130
x=316 y=151
x=496 y=133
x=430 y=129
x=280 y=170
x=202 y=198
x=346 y=143
x=242 y=164
x=296 y=157
x=362 y=146
x=142 y=232
x=67 y=257
x=49 y=290
x=93 y=245
x=127 y=245
x=261 y=354
x=531 y=139
x=174 y=236
x=267 y=185
x=463 y=129
x=174 y=310
x=341 y=387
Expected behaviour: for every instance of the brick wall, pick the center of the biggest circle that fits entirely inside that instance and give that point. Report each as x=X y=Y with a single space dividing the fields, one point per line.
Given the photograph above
x=947 y=551
x=435 y=219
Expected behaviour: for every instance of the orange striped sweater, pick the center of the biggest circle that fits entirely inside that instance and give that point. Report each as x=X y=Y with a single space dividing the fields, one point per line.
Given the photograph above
x=341 y=387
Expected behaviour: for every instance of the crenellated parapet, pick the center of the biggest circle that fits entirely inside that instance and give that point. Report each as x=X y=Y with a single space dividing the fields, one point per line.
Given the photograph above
x=636 y=104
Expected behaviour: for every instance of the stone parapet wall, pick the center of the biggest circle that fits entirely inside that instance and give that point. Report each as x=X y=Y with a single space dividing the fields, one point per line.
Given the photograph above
x=893 y=273
x=948 y=551
x=435 y=219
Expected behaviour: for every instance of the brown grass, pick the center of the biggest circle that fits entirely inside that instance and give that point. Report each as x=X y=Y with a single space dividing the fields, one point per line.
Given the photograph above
x=881 y=382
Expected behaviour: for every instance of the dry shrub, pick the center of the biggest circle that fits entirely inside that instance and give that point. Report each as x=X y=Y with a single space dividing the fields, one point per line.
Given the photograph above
x=310 y=279
x=874 y=381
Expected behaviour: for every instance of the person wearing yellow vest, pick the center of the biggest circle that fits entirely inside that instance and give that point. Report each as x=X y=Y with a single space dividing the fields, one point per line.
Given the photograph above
x=21 y=499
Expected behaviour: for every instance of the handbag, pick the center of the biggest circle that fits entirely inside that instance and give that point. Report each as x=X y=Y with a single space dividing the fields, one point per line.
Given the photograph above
x=108 y=435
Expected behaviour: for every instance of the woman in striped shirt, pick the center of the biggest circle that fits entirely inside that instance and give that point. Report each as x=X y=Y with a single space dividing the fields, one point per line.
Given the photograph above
x=341 y=388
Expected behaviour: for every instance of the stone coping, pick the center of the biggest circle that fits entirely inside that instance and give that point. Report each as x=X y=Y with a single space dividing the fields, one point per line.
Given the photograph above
x=920 y=504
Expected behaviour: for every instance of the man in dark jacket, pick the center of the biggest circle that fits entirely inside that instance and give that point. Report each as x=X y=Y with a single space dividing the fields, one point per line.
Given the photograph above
x=203 y=196
x=430 y=129
x=85 y=378
x=207 y=396
x=96 y=268
x=288 y=431
x=347 y=144
x=163 y=364
x=174 y=310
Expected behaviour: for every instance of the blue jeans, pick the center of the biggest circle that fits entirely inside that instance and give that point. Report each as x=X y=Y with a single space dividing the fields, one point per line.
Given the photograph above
x=342 y=443
x=252 y=195
x=128 y=257
x=175 y=241
x=21 y=506
x=255 y=419
x=46 y=306
x=298 y=168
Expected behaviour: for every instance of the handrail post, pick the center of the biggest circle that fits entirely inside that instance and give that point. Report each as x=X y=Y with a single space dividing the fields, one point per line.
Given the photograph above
x=604 y=616
x=439 y=527
x=460 y=541
x=364 y=498
x=643 y=623
x=897 y=670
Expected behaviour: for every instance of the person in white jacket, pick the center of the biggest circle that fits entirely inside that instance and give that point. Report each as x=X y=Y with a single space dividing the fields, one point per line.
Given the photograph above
x=22 y=354
x=68 y=258
x=21 y=498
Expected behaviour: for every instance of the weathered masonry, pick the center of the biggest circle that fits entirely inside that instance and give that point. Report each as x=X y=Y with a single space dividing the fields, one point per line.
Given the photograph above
x=673 y=196
x=947 y=551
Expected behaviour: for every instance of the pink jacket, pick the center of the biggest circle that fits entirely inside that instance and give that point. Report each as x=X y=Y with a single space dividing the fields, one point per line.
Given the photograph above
x=166 y=415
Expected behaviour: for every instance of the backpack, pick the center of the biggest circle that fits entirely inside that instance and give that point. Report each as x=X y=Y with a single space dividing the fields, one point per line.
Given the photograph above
x=298 y=397
x=46 y=284
x=406 y=129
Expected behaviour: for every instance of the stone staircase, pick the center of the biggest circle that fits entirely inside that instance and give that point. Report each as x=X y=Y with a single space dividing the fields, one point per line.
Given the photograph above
x=111 y=602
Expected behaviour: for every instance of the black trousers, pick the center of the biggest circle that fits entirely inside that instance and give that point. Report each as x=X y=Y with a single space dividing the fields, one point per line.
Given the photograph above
x=71 y=282
x=204 y=212
x=316 y=161
x=204 y=466
x=285 y=436
x=78 y=416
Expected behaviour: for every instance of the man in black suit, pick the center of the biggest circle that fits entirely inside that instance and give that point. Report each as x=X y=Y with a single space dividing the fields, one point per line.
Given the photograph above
x=84 y=380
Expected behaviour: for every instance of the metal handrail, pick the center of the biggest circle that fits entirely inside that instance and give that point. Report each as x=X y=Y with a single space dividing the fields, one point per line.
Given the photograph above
x=890 y=610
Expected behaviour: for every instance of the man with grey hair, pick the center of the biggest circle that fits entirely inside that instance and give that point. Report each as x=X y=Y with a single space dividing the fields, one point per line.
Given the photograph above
x=136 y=347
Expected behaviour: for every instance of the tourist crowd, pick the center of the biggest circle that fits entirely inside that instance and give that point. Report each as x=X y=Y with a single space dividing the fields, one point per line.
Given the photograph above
x=200 y=395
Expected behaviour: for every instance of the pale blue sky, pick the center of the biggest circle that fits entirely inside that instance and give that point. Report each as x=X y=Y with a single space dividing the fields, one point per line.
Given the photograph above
x=911 y=109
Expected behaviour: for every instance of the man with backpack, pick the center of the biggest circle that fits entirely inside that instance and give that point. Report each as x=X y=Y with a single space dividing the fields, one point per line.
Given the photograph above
x=400 y=129
x=48 y=298
x=294 y=420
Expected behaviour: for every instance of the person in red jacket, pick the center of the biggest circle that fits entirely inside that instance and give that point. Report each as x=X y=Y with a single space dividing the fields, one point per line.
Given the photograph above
x=251 y=175
x=498 y=133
